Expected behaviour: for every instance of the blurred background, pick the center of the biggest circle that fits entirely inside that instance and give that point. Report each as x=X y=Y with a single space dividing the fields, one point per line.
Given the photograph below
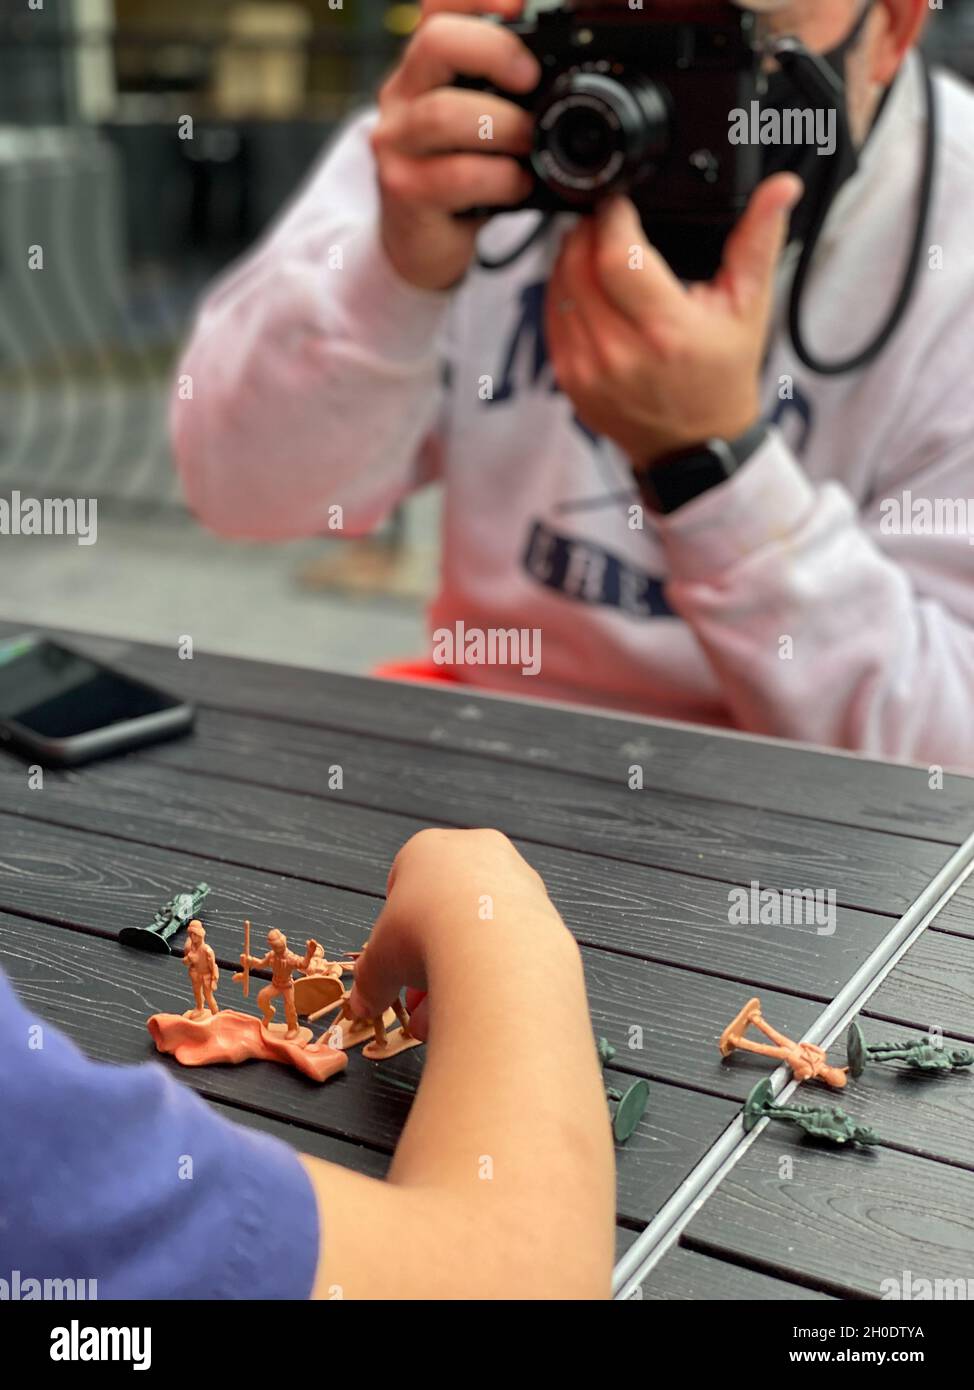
x=135 y=220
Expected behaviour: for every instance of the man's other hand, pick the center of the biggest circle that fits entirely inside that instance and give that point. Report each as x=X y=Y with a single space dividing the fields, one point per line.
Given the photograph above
x=648 y=362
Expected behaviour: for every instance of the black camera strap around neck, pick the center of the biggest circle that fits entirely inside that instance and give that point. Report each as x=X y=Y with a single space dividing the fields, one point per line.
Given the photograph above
x=816 y=78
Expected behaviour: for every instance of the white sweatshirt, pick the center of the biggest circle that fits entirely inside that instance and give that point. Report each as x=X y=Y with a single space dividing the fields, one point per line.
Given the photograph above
x=785 y=602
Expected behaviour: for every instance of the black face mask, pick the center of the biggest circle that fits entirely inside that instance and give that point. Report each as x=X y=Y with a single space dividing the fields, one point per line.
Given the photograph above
x=807 y=82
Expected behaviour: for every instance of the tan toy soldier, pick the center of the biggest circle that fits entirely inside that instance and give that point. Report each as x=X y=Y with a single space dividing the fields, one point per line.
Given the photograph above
x=807 y=1060
x=204 y=973
x=381 y=1039
x=282 y=964
x=330 y=969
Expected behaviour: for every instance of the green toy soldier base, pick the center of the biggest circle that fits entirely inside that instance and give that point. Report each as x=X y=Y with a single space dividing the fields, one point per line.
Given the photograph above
x=924 y=1054
x=826 y=1122
x=629 y=1111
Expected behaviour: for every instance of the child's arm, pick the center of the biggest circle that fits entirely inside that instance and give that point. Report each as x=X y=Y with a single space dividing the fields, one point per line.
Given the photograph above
x=502 y=1184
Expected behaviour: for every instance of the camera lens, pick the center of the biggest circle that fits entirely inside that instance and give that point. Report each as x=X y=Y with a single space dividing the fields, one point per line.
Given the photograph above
x=595 y=131
x=582 y=140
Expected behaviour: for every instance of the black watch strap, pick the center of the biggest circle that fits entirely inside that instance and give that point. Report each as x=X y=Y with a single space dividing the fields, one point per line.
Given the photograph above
x=672 y=481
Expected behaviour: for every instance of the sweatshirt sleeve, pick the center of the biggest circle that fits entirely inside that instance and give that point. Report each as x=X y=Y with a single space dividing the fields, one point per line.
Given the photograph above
x=123 y=1178
x=312 y=378
x=831 y=624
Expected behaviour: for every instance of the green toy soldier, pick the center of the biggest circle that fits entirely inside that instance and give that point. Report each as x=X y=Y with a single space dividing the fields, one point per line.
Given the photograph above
x=632 y=1103
x=924 y=1054
x=826 y=1122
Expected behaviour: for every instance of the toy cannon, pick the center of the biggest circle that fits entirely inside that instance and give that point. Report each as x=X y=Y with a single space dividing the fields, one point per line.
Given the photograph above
x=178 y=912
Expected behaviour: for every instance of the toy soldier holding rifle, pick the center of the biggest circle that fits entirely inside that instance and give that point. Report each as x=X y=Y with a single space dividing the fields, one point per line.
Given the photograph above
x=282 y=964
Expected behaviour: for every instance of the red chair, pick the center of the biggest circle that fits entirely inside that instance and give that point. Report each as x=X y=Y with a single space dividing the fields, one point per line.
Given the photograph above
x=424 y=672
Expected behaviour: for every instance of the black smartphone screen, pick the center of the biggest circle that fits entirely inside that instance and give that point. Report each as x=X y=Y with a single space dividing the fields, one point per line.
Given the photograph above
x=58 y=694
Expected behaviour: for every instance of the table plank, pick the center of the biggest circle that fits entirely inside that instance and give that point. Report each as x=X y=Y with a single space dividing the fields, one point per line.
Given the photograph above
x=683 y=1276
x=682 y=1015
x=845 y=1222
x=744 y=772
x=299 y=836
x=625 y=1236
x=866 y=869
x=371 y=1163
x=307 y=835
x=75 y=877
x=958 y=913
x=932 y=986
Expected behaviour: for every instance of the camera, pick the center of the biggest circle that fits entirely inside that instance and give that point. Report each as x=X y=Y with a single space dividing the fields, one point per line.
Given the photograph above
x=637 y=101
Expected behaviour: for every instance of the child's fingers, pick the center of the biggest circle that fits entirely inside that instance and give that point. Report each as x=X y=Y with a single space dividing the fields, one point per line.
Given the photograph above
x=370 y=995
x=376 y=982
x=417 y=1006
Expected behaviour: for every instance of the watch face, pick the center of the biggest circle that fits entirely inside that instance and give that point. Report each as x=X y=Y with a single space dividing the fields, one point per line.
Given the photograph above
x=683 y=476
x=678 y=478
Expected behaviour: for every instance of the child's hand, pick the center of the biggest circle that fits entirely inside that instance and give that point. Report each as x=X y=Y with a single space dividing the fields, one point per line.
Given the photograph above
x=466 y=917
x=441 y=882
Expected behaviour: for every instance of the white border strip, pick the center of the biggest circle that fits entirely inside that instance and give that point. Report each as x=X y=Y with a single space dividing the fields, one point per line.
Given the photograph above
x=668 y=1224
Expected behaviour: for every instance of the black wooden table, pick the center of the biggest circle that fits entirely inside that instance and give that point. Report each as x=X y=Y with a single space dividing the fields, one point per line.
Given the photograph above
x=641 y=876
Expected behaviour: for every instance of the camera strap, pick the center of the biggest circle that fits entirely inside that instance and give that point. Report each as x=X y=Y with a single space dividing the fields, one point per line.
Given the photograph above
x=820 y=80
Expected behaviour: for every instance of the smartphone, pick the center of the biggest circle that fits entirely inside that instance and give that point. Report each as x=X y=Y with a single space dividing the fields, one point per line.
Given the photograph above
x=63 y=709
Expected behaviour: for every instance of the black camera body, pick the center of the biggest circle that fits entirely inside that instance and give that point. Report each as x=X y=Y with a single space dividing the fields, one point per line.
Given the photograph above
x=638 y=101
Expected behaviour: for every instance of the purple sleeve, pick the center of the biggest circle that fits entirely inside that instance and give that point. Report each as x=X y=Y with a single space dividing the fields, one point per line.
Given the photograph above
x=123 y=1176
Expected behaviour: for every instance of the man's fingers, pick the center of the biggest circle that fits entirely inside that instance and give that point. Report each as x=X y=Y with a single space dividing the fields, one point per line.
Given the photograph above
x=507 y=9
x=754 y=246
x=573 y=354
x=447 y=120
x=611 y=335
x=456 y=182
x=449 y=45
x=574 y=277
x=634 y=276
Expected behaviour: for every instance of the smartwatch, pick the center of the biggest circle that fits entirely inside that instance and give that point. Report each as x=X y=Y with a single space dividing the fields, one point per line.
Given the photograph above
x=678 y=478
